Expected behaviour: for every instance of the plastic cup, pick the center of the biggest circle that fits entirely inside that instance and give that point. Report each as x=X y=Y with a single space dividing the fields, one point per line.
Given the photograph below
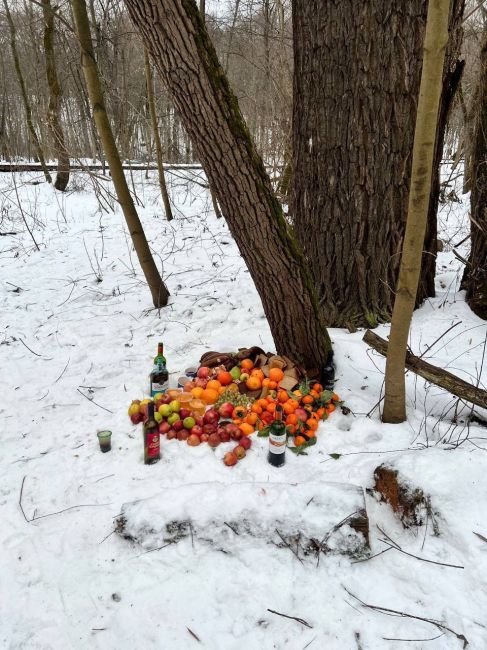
x=191 y=372
x=197 y=406
x=185 y=398
x=174 y=393
x=105 y=440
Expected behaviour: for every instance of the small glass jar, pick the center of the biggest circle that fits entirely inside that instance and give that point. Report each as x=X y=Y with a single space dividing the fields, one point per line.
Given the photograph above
x=105 y=440
x=197 y=406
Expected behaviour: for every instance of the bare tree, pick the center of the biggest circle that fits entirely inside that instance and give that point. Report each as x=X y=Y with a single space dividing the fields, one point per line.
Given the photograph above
x=435 y=43
x=158 y=289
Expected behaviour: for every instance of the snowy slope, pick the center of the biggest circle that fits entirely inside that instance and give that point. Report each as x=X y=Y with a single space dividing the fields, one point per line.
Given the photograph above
x=67 y=582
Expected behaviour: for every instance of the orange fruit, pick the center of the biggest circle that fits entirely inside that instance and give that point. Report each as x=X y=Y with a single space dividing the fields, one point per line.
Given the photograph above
x=282 y=396
x=213 y=384
x=314 y=393
x=311 y=433
x=221 y=390
x=318 y=388
x=320 y=412
x=330 y=408
x=257 y=372
x=188 y=386
x=335 y=397
x=262 y=402
x=298 y=393
x=292 y=419
x=299 y=440
x=312 y=423
x=272 y=385
x=265 y=382
x=271 y=407
x=196 y=392
x=307 y=399
x=256 y=408
x=251 y=418
x=246 y=429
x=267 y=417
x=291 y=429
x=224 y=378
x=276 y=374
x=247 y=364
x=209 y=395
x=253 y=383
x=288 y=408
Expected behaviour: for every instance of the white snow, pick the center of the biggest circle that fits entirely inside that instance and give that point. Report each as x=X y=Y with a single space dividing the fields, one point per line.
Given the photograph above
x=59 y=572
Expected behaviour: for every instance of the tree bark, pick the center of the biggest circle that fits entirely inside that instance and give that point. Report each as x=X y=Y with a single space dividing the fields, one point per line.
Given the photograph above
x=157 y=137
x=23 y=92
x=475 y=276
x=433 y=374
x=435 y=43
x=55 y=94
x=176 y=37
x=357 y=70
x=158 y=289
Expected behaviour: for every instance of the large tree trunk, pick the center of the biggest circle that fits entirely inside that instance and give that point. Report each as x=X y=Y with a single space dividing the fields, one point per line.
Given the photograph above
x=176 y=37
x=356 y=84
x=53 y=111
x=158 y=289
x=475 y=277
x=23 y=92
x=435 y=42
x=157 y=137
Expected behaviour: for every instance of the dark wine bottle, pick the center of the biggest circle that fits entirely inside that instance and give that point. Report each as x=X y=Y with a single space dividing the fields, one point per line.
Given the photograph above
x=152 y=438
x=277 y=440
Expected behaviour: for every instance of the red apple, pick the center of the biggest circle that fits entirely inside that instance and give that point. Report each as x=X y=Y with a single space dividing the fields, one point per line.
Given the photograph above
x=211 y=416
x=210 y=428
x=224 y=436
x=199 y=420
x=196 y=430
x=214 y=440
x=193 y=440
x=184 y=413
x=201 y=383
x=234 y=431
x=239 y=452
x=230 y=458
x=164 y=427
x=204 y=437
x=136 y=418
x=226 y=410
x=203 y=372
x=178 y=425
x=171 y=434
x=165 y=399
x=183 y=434
x=245 y=442
x=301 y=414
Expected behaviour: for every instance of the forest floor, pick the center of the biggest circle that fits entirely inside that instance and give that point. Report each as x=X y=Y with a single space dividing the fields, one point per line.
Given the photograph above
x=77 y=335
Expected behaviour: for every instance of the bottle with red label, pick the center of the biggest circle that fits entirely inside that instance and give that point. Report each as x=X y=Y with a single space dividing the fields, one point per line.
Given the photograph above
x=152 y=438
x=277 y=440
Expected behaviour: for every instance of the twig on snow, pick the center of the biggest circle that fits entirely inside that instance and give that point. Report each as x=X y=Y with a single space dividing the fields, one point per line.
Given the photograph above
x=484 y=539
x=37 y=355
x=93 y=401
x=392 y=544
x=293 y=618
x=395 y=612
x=20 y=499
x=195 y=636
x=289 y=546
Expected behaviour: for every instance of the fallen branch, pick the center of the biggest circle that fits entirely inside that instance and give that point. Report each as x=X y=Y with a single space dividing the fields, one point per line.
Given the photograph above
x=293 y=618
x=433 y=374
x=395 y=612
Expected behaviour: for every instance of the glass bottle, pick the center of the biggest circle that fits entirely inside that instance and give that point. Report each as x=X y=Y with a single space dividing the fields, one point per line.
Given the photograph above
x=277 y=440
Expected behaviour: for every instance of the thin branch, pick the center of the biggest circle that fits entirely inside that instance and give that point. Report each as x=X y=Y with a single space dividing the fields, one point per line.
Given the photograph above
x=93 y=401
x=293 y=618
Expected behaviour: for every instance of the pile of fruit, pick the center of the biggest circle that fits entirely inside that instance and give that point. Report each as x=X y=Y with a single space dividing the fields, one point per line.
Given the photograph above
x=233 y=414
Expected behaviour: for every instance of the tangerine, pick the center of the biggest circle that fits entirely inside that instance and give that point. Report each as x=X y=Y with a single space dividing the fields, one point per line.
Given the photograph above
x=248 y=364
x=312 y=423
x=307 y=399
x=276 y=374
x=292 y=419
x=196 y=392
x=271 y=407
x=335 y=397
x=209 y=395
x=299 y=440
x=256 y=408
x=257 y=372
x=318 y=388
x=251 y=418
x=282 y=396
x=330 y=408
x=291 y=429
x=246 y=429
x=213 y=384
x=224 y=377
x=253 y=383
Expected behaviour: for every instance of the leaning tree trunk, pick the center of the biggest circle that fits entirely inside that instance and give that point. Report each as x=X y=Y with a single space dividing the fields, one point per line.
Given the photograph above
x=435 y=42
x=176 y=37
x=53 y=111
x=158 y=289
x=157 y=137
x=356 y=83
x=475 y=276
x=23 y=92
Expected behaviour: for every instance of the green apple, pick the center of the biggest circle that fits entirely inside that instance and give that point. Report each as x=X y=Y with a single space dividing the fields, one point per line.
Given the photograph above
x=157 y=417
x=158 y=396
x=235 y=372
x=189 y=423
x=165 y=410
x=174 y=406
x=174 y=417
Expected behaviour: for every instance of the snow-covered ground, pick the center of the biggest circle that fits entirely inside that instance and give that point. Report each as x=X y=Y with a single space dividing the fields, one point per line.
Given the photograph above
x=77 y=335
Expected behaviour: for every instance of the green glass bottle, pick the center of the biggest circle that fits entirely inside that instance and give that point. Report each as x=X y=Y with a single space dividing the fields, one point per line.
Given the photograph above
x=277 y=440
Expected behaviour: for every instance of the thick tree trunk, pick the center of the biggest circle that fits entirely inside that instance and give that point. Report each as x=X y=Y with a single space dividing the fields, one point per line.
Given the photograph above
x=356 y=85
x=158 y=289
x=475 y=276
x=23 y=92
x=157 y=137
x=53 y=111
x=435 y=43
x=184 y=55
